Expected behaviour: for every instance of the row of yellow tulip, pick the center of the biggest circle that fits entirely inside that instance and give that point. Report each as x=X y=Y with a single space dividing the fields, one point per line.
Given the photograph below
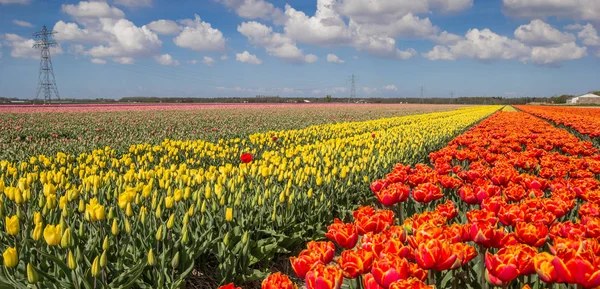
x=148 y=217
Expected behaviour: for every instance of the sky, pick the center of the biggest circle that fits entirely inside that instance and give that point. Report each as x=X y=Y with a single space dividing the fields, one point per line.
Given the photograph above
x=304 y=48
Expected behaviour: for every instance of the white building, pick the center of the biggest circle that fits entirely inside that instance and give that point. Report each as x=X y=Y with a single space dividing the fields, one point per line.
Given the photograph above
x=583 y=99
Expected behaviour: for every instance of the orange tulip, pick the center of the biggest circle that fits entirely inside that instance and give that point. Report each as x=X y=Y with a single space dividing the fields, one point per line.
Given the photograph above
x=427 y=192
x=448 y=210
x=436 y=255
x=393 y=194
x=278 y=281
x=411 y=283
x=324 y=277
x=345 y=235
x=509 y=263
x=325 y=249
x=304 y=262
x=532 y=234
x=369 y=282
x=374 y=223
x=486 y=235
x=389 y=270
x=355 y=263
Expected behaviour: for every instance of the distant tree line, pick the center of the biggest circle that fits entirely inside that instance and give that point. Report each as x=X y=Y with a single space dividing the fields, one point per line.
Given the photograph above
x=327 y=99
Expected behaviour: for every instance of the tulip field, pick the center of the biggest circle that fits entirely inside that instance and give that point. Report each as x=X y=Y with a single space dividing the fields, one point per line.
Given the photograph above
x=318 y=197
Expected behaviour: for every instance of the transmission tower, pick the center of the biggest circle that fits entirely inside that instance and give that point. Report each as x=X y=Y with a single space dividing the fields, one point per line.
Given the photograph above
x=46 y=81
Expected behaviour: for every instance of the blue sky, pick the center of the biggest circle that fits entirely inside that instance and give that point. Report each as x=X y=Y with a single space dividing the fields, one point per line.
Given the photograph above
x=216 y=48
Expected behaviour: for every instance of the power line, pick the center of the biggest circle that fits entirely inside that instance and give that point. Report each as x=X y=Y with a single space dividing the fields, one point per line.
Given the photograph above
x=46 y=80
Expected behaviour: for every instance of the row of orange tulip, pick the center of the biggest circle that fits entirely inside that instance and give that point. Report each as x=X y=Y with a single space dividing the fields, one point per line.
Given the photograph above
x=584 y=120
x=503 y=197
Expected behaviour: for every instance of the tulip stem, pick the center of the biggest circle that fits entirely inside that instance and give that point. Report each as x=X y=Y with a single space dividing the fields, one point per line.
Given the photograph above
x=482 y=255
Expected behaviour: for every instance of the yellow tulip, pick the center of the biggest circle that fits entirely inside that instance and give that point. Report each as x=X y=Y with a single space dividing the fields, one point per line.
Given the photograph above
x=151 y=259
x=95 y=267
x=38 y=231
x=52 y=235
x=12 y=225
x=115 y=227
x=71 y=261
x=66 y=240
x=229 y=214
x=11 y=258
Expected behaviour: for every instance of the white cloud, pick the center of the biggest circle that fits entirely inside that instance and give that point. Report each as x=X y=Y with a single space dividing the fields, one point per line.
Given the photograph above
x=164 y=27
x=209 y=61
x=200 y=36
x=104 y=26
x=390 y=87
x=98 y=61
x=439 y=52
x=224 y=57
x=0 y=50
x=126 y=39
x=72 y=32
x=589 y=35
x=134 y=3
x=555 y=54
x=382 y=11
x=327 y=27
x=14 y=1
x=574 y=27
x=166 y=59
x=564 y=9
x=483 y=45
x=369 y=90
x=316 y=91
x=334 y=58
x=254 y=9
x=275 y=44
x=22 y=23
x=540 y=33
x=124 y=60
x=193 y=61
x=23 y=48
x=446 y=38
x=92 y=9
x=76 y=49
x=248 y=58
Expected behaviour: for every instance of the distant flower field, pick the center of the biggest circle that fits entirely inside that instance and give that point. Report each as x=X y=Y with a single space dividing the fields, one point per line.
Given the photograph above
x=142 y=210
x=33 y=130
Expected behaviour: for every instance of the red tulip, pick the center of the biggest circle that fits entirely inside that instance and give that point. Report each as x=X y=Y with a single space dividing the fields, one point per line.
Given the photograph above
x=485 y=234
x=389 y=270
x=509 y=263
x=278 y=281
x=229 y=286
x=532 y=234
x=427 y=192
x=447 y=210
x=369 y=282
x=436 y=255
x=410 y=283
x=393 y=194
x=246 y=158
x=304 y=262
x=378 y=185
x=325 y=249
x=324 y=277
x=274 y=138
x=375 y=223
x=355 y=263
x=345 y=235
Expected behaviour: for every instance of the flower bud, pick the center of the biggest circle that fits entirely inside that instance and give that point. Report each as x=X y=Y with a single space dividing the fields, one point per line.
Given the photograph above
x=71 y=263
x=105 y=243
x=66 y=240
x=115 y=227
x=226 y=239
x=96 y=267
x=184 y=233
x=175 y=261
x=151 y=259
x=32 y=275
x=111 y=213
x=245 y=238
x=171 y=221
x=103 y=259
x=159 y=233
x=127 y=226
